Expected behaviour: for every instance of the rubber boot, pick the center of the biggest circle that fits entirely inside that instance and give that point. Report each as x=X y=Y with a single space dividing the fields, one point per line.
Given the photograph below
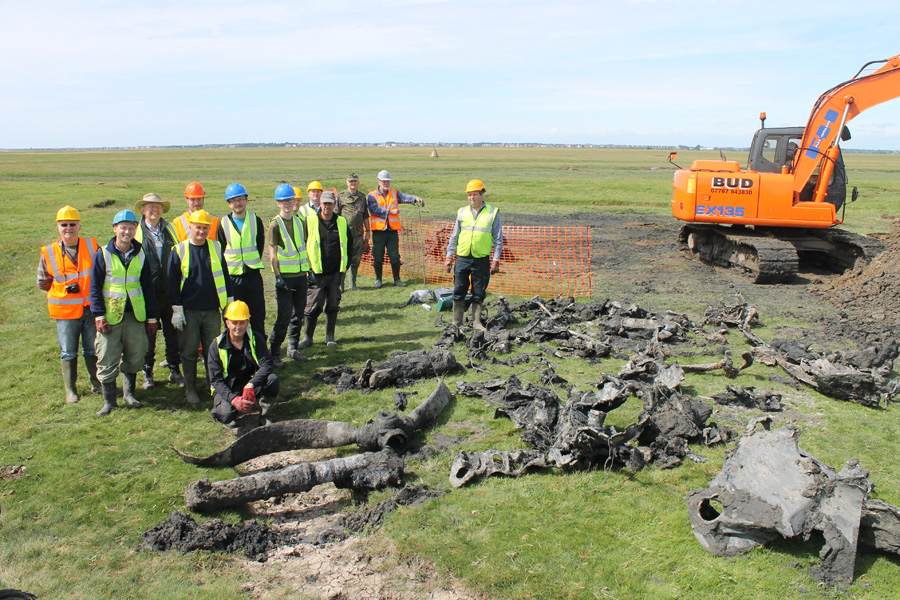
x=378 y=271
x=91 y=363
x=148 y=384
x=330 y=323
x=70 y=375
x=129 y=382
x=395 y=269
x=459 y=311
x=476 y=318
x=265 y=407
x=276 y=357
x=309 y=330
x=175 y=376
x=293 y=353
x=354 y=272
x=190 y=382
x=109 y=398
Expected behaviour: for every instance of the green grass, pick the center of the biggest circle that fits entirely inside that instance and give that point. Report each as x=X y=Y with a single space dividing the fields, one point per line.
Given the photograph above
x=94 y=485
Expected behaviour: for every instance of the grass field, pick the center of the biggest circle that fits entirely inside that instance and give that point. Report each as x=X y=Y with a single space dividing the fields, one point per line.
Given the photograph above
x=70 y=528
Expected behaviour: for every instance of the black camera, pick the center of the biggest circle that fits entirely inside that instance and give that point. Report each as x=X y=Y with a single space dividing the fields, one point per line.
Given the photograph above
x=73 y=288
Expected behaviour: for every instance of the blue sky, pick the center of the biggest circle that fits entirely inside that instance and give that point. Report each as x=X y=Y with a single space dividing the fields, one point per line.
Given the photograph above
x=95 y=73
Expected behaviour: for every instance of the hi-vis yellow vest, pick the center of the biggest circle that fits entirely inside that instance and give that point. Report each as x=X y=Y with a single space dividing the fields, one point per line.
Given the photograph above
x=184 y=254
x=475 y=233
x=240 y=247
x=292 y=258
x=314 y=243
x=121 y=284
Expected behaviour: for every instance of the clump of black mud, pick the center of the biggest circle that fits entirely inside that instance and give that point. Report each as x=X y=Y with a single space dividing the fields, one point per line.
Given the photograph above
x=255 y=540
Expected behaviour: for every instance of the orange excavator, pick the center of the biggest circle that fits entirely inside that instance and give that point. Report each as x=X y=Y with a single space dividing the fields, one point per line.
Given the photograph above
x=783 y=207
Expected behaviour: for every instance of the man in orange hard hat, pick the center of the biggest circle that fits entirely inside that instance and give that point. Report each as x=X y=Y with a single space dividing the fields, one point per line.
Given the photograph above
x=195 y=196
x=64 y=272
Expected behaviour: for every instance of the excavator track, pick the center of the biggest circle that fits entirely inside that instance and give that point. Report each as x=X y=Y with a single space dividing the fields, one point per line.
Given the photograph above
x=773 y=255
x=763 y=258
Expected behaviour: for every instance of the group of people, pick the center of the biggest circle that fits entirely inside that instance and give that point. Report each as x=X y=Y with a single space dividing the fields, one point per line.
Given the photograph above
x=176 y=275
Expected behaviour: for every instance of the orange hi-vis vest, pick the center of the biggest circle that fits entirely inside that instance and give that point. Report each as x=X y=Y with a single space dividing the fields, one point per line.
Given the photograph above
x=61 y=304
x=182 y=232
x=392 y=221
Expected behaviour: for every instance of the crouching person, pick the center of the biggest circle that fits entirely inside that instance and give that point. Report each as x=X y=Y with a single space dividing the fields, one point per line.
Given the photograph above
x=240 y=369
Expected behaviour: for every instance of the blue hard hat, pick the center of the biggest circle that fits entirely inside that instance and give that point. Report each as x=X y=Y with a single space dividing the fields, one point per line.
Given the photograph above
x=284 y=192
x=234 y=190
x=125 y=215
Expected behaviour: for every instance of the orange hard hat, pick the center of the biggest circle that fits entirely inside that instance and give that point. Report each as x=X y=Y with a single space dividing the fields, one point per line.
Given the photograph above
x=194 y=190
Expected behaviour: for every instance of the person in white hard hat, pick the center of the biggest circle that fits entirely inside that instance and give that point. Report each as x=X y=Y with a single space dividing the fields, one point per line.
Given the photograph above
x=384 y=216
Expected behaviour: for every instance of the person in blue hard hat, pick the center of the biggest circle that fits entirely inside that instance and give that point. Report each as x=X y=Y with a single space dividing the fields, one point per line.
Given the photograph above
x=243 y=240
x=290 y=263
x=123 y=302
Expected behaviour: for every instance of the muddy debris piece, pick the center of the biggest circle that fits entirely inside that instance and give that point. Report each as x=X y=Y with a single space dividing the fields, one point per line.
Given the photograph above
x=741 y=314
x=403 y=368
x=387 y=430
x=725 y=364
x=818 y=371
x=363 y=472
x=770 y=488
x=182 y=533
x=411 y=495
x=469 y=465
x=748 y=397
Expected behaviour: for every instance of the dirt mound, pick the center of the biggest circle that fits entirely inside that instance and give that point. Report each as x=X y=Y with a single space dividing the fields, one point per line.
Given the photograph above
x=866 y=299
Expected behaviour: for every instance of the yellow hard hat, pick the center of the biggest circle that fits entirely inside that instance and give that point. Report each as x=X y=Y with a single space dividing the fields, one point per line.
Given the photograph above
x=314 y=185
x=67 y=213
x=476 y=185
x=237 y=311
x=297 y=193
x=200 y=217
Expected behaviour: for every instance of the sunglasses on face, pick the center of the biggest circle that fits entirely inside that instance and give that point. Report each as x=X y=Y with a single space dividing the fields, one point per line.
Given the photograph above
x=68 y=224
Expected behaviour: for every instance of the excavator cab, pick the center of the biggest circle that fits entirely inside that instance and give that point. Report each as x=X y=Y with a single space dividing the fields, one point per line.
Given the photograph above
x=774 y=148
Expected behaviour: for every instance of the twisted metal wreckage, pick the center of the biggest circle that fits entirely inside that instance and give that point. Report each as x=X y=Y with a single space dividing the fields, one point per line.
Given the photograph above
x=572 y=435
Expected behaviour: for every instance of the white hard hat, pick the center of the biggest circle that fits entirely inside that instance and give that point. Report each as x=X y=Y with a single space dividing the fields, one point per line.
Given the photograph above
x=384 y=175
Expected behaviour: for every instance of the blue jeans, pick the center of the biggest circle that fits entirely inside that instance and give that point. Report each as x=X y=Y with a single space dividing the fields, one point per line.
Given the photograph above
x=68 y=331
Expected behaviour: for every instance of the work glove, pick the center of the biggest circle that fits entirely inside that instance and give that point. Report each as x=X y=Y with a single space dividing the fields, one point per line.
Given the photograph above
x=250 y=394
x=312 y=278
x=241 y=404
x=280 y=283
x=102 y=325
x=152 y=326
x=419 y=202
x=495 y=267
x=178 y=321
x=448 y=264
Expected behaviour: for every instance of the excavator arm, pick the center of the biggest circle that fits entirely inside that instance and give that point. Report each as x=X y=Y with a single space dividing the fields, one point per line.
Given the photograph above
x=833 y=110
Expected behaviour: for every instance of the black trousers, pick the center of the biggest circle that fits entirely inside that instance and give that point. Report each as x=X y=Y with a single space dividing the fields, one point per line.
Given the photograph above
x=474 y=270
x=249 y=288
x=291 y=301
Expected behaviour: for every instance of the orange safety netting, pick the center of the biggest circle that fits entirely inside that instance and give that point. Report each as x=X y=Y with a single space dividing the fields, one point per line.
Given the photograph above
x=544 y=261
